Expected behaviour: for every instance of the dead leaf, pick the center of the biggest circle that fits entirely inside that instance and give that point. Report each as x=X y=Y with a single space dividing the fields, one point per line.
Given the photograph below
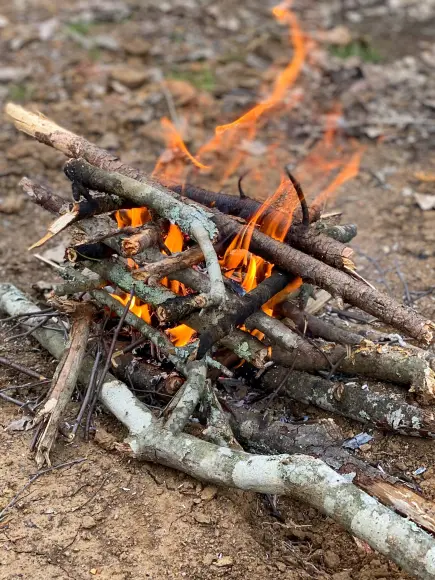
x=425 y=201
x=22 y=424
x=423 y=176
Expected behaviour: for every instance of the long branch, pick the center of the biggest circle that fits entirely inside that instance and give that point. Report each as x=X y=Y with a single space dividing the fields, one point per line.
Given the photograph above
x=191 y=219
x=72 y=145
x=300 y=476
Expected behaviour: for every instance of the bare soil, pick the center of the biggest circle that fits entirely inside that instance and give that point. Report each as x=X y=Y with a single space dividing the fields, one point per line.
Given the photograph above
x=120 y=519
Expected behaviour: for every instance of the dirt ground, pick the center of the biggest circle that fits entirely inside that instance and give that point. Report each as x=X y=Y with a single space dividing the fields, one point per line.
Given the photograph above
x=94 y=67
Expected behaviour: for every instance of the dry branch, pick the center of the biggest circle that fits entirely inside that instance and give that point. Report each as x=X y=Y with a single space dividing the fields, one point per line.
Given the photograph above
x=74 y=146
x=191 y=219
x=187 y=398
x=336 y=282
x=262 y=434
x=317 y=327
x=395 y=364
x=300 y=476
x=388 y=412
x=243 y=344
x=139 y=242
x=155 y=271
x=63 y=385
x=144 y=376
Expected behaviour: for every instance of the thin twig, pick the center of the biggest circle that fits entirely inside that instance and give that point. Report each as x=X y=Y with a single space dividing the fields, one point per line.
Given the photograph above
x=38 y=313
x=408 y=299
x=34 y=478
x=28 y=332
x=12 y=400
x=49 y=262
x=107 y=363
x=22 y=369
x=89 y=393
x=301 y=197
x=26 y=385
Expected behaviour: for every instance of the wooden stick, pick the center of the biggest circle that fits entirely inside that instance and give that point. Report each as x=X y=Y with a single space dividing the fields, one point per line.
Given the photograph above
x=387 y=411
x=300 y=476
x=72 y=145
x=261 y=433
x=154 y=271
x=63 y=385
x=191 y=219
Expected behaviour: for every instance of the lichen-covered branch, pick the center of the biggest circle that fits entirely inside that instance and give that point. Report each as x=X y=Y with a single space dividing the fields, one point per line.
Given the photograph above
x=190 y=218
x=395 y=364
x=387 y=411
x=306 y=478
x=187 y=398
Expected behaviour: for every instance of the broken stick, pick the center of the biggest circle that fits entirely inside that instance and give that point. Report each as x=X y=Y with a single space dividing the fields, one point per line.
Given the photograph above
x=300 y=476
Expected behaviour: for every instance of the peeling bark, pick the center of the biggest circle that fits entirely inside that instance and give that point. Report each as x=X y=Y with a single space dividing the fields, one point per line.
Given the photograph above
x=388 y=412
x=303 y=477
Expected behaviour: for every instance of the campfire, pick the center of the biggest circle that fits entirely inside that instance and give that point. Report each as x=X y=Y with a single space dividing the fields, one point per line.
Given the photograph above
x=201 y=292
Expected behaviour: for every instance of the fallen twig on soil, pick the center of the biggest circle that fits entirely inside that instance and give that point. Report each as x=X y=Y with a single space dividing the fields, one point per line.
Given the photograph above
x=300 y=476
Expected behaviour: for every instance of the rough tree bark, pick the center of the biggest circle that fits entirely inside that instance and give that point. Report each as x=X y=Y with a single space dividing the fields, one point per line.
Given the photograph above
x=388 y=412
x=305 y=478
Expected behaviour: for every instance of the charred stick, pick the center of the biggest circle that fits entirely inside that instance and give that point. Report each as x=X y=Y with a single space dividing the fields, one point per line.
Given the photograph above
x=218 y=428
x=144 y=376
x=318 y=327
x=388 y=412
x=191 y=219
x=219 y=324
x=242 y=207
x=263 y=434
x=336 y=282
x=88 y=395
x=93 y=251
x=301 y=197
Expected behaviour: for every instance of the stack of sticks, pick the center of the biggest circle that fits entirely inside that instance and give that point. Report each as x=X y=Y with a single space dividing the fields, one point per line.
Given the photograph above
x=296 y=345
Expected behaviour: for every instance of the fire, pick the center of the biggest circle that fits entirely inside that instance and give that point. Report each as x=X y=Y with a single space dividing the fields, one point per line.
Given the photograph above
x=230 y=141
x=349 y=171
x=141 y=310
x=181 y=334
x=284 y=80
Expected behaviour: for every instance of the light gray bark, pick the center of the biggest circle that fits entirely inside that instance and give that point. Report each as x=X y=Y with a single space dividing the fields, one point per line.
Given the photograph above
x=300 y=476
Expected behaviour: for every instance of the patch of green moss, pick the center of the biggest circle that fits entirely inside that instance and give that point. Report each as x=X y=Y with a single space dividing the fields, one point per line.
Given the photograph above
x=20 y=93
x=80 y=27
x=361 y=48
x=203 y=79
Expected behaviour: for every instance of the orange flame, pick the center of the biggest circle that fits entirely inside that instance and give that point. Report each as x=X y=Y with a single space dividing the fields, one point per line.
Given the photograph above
x=286 y=79
x=180 y=335
x=142 y=311
x=175 y=142
x=229 y=140
x=349 y=171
